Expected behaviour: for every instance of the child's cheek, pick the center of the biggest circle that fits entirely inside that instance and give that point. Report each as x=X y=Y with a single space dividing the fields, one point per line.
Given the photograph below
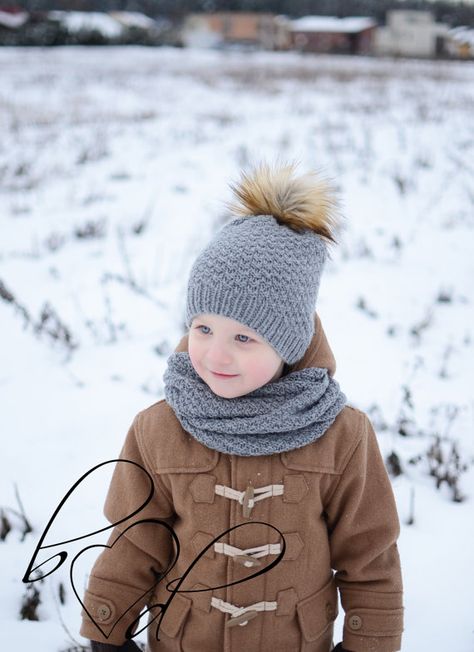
x=259 y=371
x=194 y=355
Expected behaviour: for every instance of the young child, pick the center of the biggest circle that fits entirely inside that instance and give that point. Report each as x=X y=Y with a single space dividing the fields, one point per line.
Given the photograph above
x=269 y=486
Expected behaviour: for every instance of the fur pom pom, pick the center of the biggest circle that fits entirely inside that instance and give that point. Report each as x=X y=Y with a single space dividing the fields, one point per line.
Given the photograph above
x=308 y=201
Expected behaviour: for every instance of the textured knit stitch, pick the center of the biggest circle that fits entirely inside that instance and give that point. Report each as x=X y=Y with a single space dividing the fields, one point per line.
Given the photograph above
x=264 y=275
x=288 y=413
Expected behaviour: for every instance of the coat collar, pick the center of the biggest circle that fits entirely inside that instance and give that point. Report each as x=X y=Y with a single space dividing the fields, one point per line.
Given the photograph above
x=318 y=353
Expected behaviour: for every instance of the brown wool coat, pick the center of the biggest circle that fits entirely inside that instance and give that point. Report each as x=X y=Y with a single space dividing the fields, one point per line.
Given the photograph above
x=337 y=514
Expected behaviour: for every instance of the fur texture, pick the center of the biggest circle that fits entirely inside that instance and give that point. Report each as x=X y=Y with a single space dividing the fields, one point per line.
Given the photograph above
x=307 y=201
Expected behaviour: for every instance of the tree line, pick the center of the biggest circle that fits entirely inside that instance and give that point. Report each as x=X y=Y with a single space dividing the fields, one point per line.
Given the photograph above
x=460 y=13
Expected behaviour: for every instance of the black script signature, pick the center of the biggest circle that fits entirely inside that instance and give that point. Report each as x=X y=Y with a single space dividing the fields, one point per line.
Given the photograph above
x=62 y=556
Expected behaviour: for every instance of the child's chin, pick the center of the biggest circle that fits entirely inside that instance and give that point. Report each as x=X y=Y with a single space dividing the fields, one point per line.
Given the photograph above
x=222 y=394
x=229 y=393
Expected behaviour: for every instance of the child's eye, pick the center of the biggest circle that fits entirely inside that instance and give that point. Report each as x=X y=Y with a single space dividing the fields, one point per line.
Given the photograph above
x=248 y=339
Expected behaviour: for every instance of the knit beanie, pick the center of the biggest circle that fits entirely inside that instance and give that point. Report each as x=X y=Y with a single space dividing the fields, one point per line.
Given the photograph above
x=264 y=267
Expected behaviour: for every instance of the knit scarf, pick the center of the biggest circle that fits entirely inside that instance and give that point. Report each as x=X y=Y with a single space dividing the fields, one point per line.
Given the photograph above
x=290 y=412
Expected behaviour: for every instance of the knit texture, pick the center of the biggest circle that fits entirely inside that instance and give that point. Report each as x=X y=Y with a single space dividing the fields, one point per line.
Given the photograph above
x=288 y=413
x=264 y=275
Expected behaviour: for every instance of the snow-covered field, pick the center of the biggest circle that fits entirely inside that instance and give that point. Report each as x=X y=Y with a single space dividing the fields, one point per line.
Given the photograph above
x=114 y=165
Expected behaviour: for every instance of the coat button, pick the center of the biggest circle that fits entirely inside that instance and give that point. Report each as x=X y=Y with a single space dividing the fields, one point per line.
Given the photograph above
x=103 y=612
x=242 y=619
x=248 y=501
x=355 y=622
x=247 y=560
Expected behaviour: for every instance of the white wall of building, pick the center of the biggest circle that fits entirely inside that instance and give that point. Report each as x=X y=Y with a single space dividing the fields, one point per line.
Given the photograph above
x=408 y=33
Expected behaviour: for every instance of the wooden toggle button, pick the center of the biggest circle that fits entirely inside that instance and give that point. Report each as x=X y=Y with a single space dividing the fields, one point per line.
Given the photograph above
x=247 y=560
x=249 y=494
x=242 y=619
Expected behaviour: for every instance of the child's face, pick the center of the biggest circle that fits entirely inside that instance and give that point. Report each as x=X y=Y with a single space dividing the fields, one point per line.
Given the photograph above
x=221 y=344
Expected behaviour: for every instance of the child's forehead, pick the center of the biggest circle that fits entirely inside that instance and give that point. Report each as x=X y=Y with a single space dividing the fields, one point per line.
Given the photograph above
x=222 y=321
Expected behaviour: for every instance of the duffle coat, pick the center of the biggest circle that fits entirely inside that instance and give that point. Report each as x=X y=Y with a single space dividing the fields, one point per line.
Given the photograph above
x=325 y=513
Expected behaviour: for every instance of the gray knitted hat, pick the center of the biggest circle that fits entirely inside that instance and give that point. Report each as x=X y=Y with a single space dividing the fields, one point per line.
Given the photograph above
x=263 y=268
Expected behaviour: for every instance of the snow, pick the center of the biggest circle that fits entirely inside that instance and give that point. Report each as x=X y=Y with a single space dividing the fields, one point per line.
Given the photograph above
x=77 y=21
x=133 y=19
x=332 y=24
x=135 y=150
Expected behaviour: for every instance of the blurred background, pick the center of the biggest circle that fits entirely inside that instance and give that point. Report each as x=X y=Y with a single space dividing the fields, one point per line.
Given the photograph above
x=122 y=124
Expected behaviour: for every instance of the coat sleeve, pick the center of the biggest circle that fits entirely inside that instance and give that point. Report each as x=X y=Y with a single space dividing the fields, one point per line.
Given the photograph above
x=363 y=529
x=128 y=567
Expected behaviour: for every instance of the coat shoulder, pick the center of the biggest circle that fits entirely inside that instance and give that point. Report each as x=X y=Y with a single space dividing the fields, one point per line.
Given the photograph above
x=331 y=452
x=167 y=446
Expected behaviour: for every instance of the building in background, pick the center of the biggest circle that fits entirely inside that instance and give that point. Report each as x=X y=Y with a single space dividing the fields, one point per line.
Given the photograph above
x=349 y=35
x=13 y=17
x=459 y=42
x=410 y=33
x=235 y=28
x=12 y=21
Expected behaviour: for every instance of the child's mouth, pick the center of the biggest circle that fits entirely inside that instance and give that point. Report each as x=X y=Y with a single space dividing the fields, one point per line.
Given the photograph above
x=215 y=373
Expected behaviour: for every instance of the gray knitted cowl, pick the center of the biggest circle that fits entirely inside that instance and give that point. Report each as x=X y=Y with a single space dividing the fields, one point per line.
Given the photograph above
x=290 y=412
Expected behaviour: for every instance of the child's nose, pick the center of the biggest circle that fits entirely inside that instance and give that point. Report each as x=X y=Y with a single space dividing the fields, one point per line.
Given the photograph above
x=218 y=355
